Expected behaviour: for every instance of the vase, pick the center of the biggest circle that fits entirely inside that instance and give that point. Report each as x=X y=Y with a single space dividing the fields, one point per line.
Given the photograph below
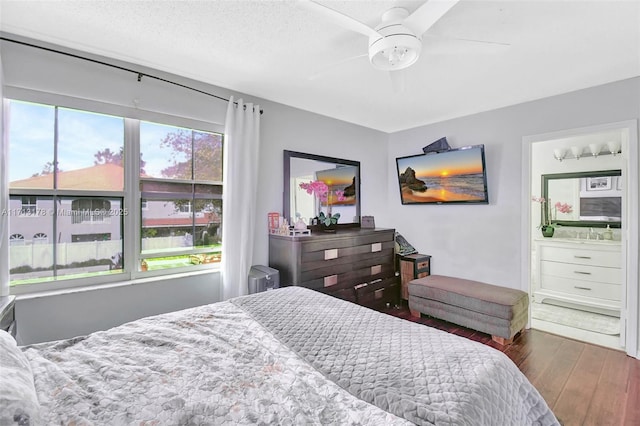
x=328 y=228
x=547 y=231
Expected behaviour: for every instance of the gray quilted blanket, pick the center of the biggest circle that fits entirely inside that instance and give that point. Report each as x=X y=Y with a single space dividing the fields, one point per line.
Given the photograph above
x=211 y=365
x=283 y=357
x=424 y=375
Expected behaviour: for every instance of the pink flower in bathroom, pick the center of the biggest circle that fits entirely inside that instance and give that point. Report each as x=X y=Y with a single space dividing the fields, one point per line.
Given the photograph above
x=563 y=207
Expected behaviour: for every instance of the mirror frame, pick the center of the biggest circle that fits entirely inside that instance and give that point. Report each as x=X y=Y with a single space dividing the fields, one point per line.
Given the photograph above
x=288 y=155
x=577 y=175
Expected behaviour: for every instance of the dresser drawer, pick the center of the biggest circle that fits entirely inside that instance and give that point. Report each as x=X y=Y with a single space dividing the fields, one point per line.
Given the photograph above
x=372 y=264
x=378 y=293
x=343 y=242
x=580 y=256
x=337 y=279
x=582 y=272
x=318 y=259
x=593 y=289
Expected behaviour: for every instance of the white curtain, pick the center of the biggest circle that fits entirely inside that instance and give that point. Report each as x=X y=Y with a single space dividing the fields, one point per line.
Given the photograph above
x=241 y=146
x=4 y=191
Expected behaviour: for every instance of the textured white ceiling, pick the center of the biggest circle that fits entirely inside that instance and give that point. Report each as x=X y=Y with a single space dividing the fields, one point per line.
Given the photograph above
x=280 y=51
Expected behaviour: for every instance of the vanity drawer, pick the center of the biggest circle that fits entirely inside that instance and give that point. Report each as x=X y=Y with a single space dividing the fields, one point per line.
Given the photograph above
x=592 y=289
x=581 y=272
x=579 y=256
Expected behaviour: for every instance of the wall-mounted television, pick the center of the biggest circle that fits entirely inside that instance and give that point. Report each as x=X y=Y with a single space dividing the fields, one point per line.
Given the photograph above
x=454 y=176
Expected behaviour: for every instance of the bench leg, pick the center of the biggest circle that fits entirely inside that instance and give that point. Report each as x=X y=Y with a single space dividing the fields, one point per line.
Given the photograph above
x=414 y=313
x=503 y=341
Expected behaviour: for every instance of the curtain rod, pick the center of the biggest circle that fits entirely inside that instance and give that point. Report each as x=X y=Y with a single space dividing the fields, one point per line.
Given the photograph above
x=139 y=74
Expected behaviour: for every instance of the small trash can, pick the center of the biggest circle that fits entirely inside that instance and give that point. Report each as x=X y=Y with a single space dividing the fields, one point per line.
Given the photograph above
x=263 y=278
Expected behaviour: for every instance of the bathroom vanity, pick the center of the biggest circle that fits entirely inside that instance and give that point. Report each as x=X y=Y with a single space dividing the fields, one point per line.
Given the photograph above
x=587 y=273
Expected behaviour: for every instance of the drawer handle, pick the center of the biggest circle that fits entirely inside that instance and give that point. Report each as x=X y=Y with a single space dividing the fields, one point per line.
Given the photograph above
x=581 y=288
x=330 y=280
x=330 y=254
x=582 y=272
x=582 y=257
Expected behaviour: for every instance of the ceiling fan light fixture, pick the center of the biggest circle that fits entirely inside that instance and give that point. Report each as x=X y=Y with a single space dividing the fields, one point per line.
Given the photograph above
x=395 y=52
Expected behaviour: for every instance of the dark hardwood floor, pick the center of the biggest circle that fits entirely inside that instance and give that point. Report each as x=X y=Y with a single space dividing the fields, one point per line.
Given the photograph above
x=583 y=384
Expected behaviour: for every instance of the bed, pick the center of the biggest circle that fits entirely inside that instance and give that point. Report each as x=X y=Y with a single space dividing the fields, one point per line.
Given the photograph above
x=287 y=356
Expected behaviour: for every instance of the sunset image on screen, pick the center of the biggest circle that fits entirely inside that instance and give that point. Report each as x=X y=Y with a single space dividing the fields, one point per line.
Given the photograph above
x=454 y=176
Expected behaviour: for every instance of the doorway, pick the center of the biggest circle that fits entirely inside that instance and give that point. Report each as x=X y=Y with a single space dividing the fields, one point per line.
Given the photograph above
x=580 y=281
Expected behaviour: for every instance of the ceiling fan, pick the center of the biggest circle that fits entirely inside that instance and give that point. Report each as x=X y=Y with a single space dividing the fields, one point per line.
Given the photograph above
x=396 y=42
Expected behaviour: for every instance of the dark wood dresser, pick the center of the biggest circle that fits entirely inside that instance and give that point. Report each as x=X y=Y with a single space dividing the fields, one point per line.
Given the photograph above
x=353 y=264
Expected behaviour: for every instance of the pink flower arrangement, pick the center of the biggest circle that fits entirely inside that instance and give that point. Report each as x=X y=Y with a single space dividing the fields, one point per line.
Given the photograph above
x=321 y=190
x=563 y=208
x=545 y=210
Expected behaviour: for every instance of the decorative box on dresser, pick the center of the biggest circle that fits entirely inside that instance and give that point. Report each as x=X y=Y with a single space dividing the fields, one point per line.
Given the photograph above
x=354 y=264
x=580 y=272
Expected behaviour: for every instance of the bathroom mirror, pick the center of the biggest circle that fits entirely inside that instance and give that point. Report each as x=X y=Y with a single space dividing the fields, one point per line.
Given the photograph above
x=594 y=198
x=342 y=178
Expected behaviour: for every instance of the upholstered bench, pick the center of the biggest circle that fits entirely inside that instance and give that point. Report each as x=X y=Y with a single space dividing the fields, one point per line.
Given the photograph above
x=499 y=311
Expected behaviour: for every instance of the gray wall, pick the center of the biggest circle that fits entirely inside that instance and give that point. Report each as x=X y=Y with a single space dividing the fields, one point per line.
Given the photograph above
x=56 y=316
x=483 y=242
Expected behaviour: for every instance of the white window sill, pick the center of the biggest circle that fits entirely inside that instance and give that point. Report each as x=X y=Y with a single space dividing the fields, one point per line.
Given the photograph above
x=127 y=283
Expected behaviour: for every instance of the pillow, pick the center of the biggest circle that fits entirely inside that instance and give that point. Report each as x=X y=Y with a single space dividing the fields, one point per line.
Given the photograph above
x=18 y=400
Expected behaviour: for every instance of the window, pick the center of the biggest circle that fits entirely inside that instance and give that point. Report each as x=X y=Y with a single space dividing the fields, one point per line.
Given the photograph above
x=181 y=188
x=16 y=240
x=40 y=238
x=90 y=210
x=56 y=155
x=69 y=190
x=28 y=206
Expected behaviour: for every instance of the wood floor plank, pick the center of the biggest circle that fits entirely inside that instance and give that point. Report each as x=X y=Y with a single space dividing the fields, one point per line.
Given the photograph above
x=607 y=406
x=543 y=351
x=632 y=410
x=575 y=398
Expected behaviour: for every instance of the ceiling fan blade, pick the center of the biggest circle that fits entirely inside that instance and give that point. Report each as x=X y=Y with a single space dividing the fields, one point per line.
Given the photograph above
x=428 y=14
x=398 y=80
x=339 y=18
x=330 y=67
x=439 y=44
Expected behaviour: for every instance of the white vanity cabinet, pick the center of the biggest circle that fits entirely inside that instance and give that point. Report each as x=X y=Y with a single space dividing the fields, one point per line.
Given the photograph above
x=580 y=272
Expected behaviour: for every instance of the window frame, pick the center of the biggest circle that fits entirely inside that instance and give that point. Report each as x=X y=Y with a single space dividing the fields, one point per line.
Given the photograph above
x=131 y=196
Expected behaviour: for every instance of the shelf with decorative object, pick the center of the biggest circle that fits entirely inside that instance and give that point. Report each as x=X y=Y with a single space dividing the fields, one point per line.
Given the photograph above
x=353 y=264
x=582 y=273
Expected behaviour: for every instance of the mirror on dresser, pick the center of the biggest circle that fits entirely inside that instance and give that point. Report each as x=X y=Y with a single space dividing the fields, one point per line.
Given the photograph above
x=595 y=198
x=341 y=176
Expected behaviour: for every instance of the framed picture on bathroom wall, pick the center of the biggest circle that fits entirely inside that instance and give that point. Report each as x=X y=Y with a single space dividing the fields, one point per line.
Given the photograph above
x=600 y=183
